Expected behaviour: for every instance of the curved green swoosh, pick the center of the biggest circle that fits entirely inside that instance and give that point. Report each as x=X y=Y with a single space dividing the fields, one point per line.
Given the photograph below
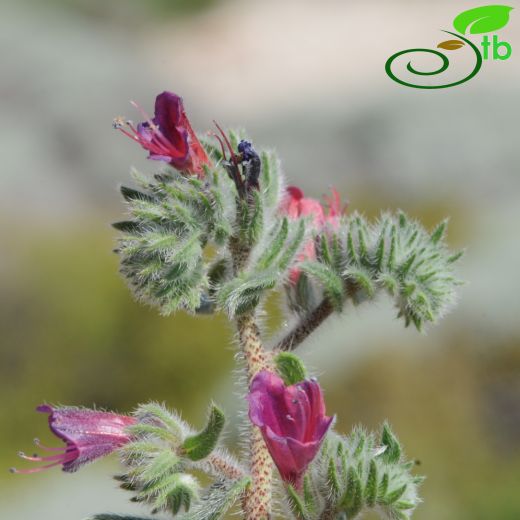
x=444 y=66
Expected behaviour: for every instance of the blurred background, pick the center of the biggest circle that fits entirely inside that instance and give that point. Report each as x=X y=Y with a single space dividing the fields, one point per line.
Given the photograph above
x=307 y=78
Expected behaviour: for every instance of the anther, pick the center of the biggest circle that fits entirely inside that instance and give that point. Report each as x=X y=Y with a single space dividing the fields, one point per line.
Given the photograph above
x=118 y=122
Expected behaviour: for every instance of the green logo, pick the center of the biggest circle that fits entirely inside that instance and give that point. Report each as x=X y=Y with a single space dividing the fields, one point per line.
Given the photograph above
x=480 y=20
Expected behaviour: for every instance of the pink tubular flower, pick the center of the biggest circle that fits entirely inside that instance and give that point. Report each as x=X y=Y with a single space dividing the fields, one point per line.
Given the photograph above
x=296 y=205
x=88 y=435
x=292 y=420
x=168 y=136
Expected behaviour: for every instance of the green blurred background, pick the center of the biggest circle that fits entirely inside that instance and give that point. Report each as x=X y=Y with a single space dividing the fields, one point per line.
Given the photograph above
x=307 y=78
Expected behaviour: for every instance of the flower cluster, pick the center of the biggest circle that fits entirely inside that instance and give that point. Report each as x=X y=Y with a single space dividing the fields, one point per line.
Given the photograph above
x=215 y=230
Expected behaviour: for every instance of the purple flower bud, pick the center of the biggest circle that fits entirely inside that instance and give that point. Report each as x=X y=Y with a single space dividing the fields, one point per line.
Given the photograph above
x=88 y=435
x=292 y=421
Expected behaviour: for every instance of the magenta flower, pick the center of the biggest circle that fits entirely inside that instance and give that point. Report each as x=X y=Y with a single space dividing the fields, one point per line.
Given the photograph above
x=88 y=435
x=296 y=205
x=168 y=136
x=292 y=420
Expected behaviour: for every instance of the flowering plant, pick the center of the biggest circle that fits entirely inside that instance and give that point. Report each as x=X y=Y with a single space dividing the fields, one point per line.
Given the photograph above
x=215 y=230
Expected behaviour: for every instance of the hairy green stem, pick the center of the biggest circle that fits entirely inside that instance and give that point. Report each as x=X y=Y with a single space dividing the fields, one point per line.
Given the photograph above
x=224 y=467
x=306 y=326
x=257 y=499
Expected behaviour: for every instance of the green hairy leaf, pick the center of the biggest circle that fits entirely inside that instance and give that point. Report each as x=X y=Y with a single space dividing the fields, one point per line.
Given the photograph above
x=173 y=219
x=352 y=474
x=269 y=263
x=487 y=18
x=163 y=453
x=290 y=367
x=395 y=254
x=217 y=500
x=297 y=504
x=331 y=282
x=200 y=445
x=393 y=449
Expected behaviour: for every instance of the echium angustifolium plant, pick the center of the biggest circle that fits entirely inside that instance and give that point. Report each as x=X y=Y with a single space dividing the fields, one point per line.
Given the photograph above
x=215 y=230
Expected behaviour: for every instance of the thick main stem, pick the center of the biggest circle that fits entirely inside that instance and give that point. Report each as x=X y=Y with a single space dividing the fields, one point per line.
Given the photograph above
x=257 y=502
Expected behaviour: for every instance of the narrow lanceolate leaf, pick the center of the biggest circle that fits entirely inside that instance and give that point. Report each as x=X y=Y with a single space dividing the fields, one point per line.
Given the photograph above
x=393 y=245
x=179 y=496
x=275 y=246
x=331 y=282
x=308 y=495
x=292 y=246
x=127 y=226
x=393 y=496
x=200 y=445
x=392 y=453
x=156 y=414
x=325 y=252
x=290 y=367
x=270 y=180
x=352 y=501
x=383 y=487
x=438 y=232
x=362 y=279
x=171 y=492
x=217 y=500
x=159 y=467
x=371 y=485
x=130 y=194
x=380 y=252
x=333 y=478
x=244 y=292
x=297 y=504
x=256 y=223
x=453 y=258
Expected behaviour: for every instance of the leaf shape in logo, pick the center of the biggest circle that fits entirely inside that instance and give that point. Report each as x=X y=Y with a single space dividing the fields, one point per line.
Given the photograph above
x=451 y=45
x=483 y=19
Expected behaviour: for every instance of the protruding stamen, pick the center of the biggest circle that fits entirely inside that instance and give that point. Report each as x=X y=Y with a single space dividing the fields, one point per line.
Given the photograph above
x=38 y=443
x=222 y=148
x=34 y=470
x=60 y=456
x=144 y=114
x=67 y=455
x=226 y=140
